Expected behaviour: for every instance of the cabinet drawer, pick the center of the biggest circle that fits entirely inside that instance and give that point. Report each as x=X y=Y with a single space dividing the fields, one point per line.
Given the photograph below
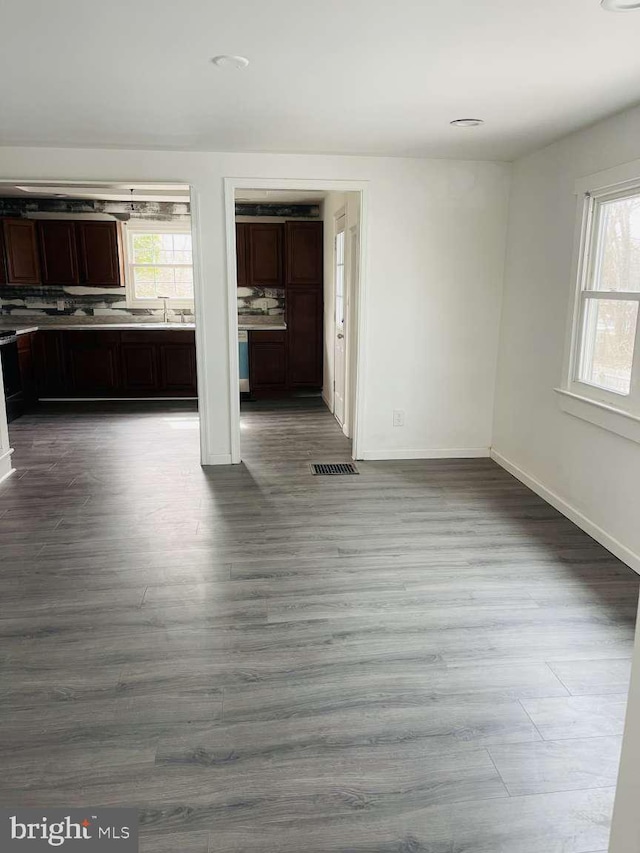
x=278 y=336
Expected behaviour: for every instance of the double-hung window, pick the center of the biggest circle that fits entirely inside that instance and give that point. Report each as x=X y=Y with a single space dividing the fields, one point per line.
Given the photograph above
x=159 y=264
x=605 y=363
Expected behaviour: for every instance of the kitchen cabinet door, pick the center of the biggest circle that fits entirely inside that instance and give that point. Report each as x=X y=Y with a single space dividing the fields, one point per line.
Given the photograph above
x=58 y=251
x=27 y=368
x=304 y=336
x=267 y=362
x=177 y=357
x=50 y=364
x=241 y=253
x=140 y=373
x=303 y=241
x=92 y=363
x=3 y=261
x=265 y=266
x=21 y=251
x=99 y=253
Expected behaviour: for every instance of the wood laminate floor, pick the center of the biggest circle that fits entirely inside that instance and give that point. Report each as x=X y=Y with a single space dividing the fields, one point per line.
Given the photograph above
x=424 y=657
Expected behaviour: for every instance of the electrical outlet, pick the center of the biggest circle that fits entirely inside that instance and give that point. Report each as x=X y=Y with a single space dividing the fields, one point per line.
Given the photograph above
x=60 y=304
x=398 y=417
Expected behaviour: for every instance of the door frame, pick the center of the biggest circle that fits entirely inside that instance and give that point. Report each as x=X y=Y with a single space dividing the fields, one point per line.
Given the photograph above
x=339 y=215
x=360 y=295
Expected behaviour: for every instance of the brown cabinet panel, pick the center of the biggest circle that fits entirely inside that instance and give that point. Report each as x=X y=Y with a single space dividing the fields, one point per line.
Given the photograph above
x=21 y=251
x=265 y=254
x=99 y=253
x=267 y=362
x=92 y=363
x=58 y=251
x=49 y=364
x=241 y=254
x=27 y=368
x=303 y=241
x=3 y=266
x=304 y=334
x=139 y=367
x=177 y=368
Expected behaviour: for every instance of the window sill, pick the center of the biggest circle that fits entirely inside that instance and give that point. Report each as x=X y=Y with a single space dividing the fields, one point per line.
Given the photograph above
x=607 y=417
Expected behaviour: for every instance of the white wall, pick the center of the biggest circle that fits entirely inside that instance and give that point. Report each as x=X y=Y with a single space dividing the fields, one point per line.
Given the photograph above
x=592 y=474
x=436 y=249
x=595 y=472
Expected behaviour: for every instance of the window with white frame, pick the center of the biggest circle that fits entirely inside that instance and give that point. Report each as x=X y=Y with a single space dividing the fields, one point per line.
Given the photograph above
x=159 y=263
x=605 y=365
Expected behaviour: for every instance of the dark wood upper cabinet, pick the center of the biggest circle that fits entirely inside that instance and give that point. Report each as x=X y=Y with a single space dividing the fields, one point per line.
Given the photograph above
x=58 y=252
x=303 y=241
x=241 y=253
x=99 y=253
x=304 y=336
x=21 y=251
x=264 y=254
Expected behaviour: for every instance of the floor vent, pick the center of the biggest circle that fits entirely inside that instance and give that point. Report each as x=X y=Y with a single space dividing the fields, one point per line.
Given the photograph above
x=334 y=468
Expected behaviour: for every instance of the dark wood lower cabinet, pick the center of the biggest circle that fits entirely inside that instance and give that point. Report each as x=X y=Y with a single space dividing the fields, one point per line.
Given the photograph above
x=102 y=363
x=177 y=367
x=139 y=367
x=26 y=360
x=92 y=363
x=267 y=363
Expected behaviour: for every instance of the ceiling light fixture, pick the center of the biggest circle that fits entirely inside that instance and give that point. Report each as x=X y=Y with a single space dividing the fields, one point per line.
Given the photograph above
x=228 y=61
x=620 y=5
x=466 y=122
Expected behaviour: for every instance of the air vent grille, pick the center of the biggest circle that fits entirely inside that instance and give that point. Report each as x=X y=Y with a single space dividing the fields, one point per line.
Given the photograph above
x=333 y=468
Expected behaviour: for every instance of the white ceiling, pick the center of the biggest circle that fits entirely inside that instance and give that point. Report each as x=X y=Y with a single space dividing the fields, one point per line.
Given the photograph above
x=350 y=76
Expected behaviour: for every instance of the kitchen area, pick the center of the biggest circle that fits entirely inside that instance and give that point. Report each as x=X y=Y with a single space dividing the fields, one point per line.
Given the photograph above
x=96 y=294
x=279 y=253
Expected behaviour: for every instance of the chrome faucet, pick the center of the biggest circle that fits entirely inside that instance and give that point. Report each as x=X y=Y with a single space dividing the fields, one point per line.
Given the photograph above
x=165 y=310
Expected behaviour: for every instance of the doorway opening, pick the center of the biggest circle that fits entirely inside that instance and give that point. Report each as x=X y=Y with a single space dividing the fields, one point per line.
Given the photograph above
x=97 y=308
x=296 y=315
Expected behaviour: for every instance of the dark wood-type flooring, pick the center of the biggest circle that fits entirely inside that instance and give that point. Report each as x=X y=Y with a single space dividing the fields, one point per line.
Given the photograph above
x=424 y=657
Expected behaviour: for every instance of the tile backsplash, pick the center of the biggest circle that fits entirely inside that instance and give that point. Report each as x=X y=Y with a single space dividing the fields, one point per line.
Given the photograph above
x=76 y=300
x=260 y=301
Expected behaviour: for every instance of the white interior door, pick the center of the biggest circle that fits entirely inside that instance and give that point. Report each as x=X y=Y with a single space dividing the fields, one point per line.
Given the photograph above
x=339 y=348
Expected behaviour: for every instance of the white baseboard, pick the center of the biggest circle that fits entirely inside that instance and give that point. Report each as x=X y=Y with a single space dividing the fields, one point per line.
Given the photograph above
x=595 y=531
x=217 y=459
x=437 y=453
x=5 y=465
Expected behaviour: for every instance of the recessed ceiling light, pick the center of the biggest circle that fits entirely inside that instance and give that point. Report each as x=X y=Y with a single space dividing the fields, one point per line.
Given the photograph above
x=466 y=122
x=620 y=5
x=228 y=61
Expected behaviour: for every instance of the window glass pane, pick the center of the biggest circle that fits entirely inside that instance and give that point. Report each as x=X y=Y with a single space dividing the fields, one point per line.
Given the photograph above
x=608 y=342
x=161 y=265
x=146 y=248
x=617 y=261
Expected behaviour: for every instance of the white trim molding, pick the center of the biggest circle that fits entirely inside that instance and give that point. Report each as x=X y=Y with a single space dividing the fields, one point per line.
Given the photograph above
x=5 y=465
x=590 y=527
x=607 y=417
x=331 y=185
x=434 y=453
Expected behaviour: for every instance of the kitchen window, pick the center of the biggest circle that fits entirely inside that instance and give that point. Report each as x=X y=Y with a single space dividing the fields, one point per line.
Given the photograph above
x=159 y=264
x=604 y=365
